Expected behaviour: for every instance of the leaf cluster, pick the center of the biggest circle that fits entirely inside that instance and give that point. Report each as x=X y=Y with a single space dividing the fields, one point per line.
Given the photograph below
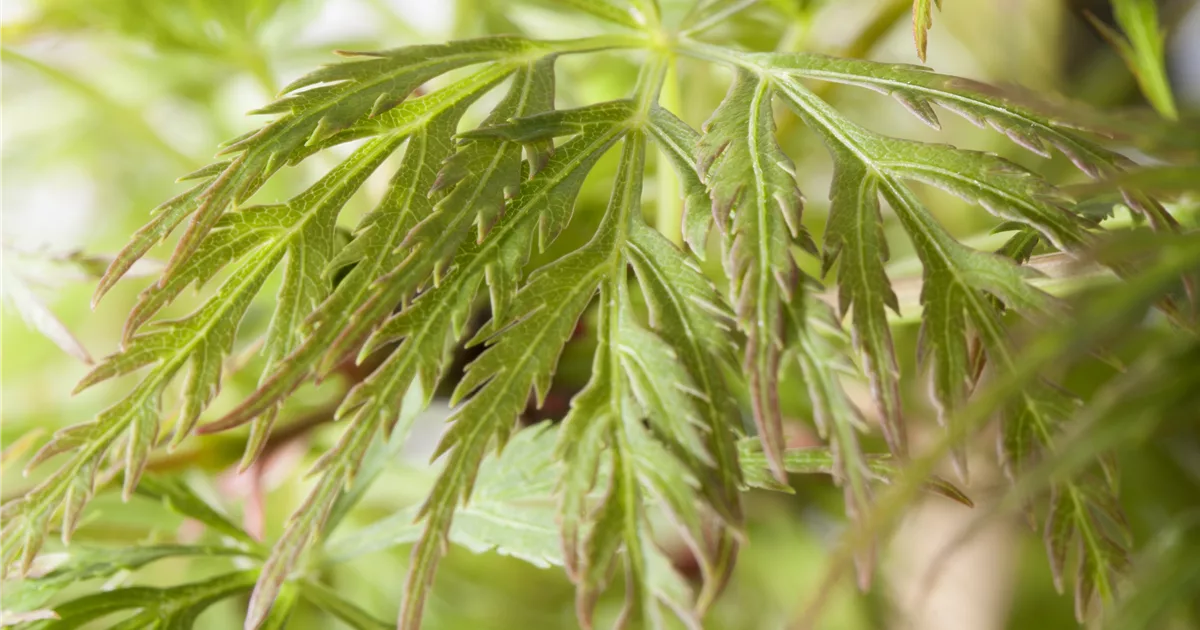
x=657 y=432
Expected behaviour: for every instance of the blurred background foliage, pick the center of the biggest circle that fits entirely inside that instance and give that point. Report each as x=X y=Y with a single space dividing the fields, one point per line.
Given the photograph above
x=107 y=101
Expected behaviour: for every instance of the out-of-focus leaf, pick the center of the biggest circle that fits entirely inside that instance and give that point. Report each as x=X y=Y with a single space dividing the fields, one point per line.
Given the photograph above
x=180 y=498
x=511 y=510
x=25 y=270
x=1141 y=48
x=91 y=563
x=823 y=461
x=1148 y=179
x=168 y=608
x=331 y=602
x=922 y=22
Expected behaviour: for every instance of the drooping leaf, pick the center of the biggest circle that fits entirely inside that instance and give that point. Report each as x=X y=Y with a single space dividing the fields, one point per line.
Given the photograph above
x=956 y=277
x=524 y=337
x=749 y=177
x=855 y=235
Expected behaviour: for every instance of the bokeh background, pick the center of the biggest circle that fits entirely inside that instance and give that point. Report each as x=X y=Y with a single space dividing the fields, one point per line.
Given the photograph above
x=106 y=102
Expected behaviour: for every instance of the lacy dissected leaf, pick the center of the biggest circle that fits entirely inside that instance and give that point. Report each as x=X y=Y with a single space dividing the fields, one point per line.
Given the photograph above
x=429 y=123
x=855 y=235
x=687 y=313
x=315 y=110
x=961 y=290
x=425 y=125
x=148 y=607
x=672 y=456
x=689 y=316
x=635 y=378
x=202 y=339
x=1003 y=188
x=749 y=176
x=360 y=301
x=429 y=329
x=656 y=428
x=603 y=432
x=258 y=237
x=1036 y=126
x=959 y=283
x=922 y=22
x=543 y=204
x=526 y=334
x=1031 y=122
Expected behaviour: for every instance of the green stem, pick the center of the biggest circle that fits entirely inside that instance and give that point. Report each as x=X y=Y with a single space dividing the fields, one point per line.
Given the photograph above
x=881 y=24
x=326 y=599
x=600 y=42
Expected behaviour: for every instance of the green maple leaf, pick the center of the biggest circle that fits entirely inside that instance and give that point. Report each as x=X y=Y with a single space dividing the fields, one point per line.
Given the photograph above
x=749 y=177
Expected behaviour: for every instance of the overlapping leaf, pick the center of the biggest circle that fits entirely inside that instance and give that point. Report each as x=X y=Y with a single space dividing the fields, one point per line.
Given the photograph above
x=335 y=104
x=656 y=426
x=528 y=328
x=604 y=431
x=956 y=277
x=317 y=109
